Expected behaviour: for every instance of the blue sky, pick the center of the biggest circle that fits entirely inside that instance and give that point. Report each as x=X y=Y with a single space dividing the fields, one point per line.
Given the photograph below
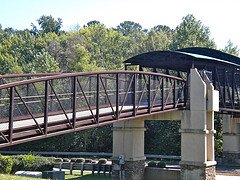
x=221 y=16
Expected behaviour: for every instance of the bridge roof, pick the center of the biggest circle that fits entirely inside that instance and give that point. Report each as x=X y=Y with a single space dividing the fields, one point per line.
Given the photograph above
x=184 y=59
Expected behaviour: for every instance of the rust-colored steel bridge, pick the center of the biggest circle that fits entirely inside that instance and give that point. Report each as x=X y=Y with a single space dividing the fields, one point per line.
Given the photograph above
x=62 y=103
x=35 y=106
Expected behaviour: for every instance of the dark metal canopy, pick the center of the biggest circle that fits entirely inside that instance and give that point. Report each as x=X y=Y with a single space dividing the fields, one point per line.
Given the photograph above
x=184 y=59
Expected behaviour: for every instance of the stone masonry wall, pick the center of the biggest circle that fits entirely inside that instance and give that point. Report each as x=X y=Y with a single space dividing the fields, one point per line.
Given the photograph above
x=201 y=172
x=132 y=170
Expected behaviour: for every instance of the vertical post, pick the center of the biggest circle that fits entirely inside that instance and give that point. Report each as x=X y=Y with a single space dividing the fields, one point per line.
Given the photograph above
x=134 y=94
x=162 y=91
x=97 y=98
x=11 y=114
x=0 y=98
x=174 y=92
x=214 y=74
x=46 y=107
x=186 y=90
x=51 y=96
x=149 y=93
x=90 y=89
x=197 y=130
x=233 y=89
x=28 y=92
x=117 y=96
x=231 y=139
x=28 y=86
x=74 y=99
x=128 y=142
x=224 y=87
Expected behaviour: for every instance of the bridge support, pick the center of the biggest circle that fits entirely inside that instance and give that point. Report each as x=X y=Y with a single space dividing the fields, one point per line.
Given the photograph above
x=231 y=139
x=128 y=150
x=197 y=131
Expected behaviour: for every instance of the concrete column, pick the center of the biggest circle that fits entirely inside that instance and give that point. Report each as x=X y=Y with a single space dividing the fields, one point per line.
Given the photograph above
x=128 y=142
x=231 y=139
x=197 y=131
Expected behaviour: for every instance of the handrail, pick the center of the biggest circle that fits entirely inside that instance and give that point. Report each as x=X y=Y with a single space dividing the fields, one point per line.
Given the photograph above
x=27 y=75
x=65 y=75
x=101 y=154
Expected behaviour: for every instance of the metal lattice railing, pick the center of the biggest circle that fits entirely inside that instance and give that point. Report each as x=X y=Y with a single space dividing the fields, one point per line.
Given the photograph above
x=53 y=105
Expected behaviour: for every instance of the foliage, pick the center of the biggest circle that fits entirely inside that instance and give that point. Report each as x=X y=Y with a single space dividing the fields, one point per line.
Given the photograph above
x=129 y=27
x=43 y=62
x=218 y=136
x=162 y=137
x=6 y=163
x=93 y=140
x=231 y=49
x=161 y=164
x=32 y=163
x=102 y=161
x=49 y=24
x=152 y=164
x=191 y=32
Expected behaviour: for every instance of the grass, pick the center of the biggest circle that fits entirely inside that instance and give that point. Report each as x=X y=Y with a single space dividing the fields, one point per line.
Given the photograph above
x=76 y=176
x=11 y=177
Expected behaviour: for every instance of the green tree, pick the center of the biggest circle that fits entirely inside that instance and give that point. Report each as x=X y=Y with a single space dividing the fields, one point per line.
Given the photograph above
x=163 y=28
x=191 y=32
x=48 y=24
x=230 y=48
x=158 y=40
x=81 y=61
x=162 y=137
x=128 y=27
x=93 y=23
x=106 y=46
x=44 y=62
x=7 y=61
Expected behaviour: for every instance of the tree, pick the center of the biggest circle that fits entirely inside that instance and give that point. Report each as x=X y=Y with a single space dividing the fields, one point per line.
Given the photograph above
x=81 y=61
x=231 y=49
x=163 y=28
x=93 y=23
x=158 y=40
x=191 y=32
x=128 y=27
x=162 y=137
x=49 y=24
x=44 y=62
x=106 y=46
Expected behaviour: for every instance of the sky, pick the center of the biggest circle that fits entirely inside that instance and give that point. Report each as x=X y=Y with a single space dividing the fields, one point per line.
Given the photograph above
x=221 y=16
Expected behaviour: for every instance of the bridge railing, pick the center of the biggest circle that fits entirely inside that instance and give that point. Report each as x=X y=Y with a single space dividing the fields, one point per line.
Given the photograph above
x=4 y=79
x=53 y=105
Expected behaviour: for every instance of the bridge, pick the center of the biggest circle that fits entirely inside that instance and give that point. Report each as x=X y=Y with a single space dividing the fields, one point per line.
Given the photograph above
x=187 y=84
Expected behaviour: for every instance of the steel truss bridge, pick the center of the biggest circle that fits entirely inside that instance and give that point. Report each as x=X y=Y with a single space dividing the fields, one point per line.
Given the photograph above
x=36 y=106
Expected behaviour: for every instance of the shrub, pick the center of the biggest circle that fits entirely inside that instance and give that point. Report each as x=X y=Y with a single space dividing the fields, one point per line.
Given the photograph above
x=66 y=160
x=6 y=164
x=161 y=164
x=32 y=163
x=102 y=161
x=152 y=164
x=88 y=160
x=58 y=160
x=80 y=160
